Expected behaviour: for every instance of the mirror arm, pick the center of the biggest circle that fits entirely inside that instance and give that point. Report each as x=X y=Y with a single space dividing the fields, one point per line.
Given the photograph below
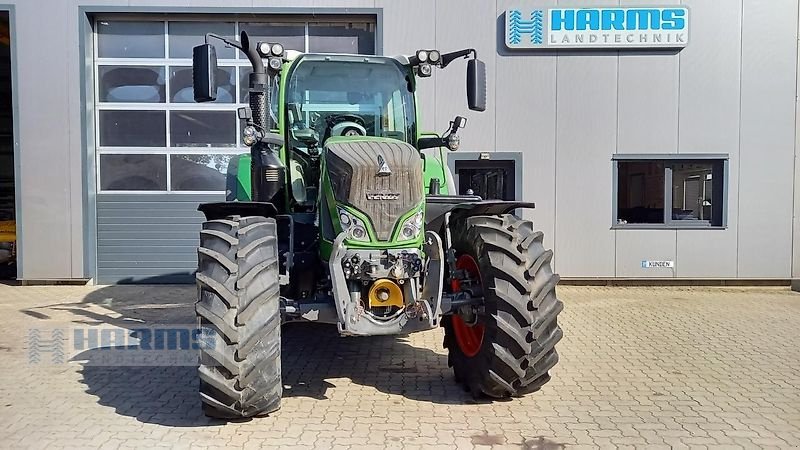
x=252 y=53
x=447 y=58
x=430 y=142
x=227 y=41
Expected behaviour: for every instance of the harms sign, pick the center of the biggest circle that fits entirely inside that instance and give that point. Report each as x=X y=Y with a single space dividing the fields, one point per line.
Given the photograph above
x=597 y=28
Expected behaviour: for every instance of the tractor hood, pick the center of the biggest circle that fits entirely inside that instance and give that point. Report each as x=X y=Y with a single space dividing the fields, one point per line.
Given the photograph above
x=379 y=179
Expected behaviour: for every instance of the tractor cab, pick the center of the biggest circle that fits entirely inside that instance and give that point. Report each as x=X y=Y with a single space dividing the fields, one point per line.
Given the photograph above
x=342 y=97
x=347 y=96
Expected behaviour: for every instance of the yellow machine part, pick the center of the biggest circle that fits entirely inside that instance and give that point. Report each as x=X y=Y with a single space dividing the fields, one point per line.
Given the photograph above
x=8 y=231
x=385 y=292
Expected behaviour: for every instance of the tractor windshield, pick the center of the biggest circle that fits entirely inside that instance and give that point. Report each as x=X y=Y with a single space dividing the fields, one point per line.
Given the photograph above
x=348 y=95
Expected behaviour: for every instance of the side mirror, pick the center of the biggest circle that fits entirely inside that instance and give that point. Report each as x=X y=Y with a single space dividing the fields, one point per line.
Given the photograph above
x=476 y=85
x=204 y=73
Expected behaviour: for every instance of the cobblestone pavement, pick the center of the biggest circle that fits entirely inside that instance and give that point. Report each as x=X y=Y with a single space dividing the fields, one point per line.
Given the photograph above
x=667 y=367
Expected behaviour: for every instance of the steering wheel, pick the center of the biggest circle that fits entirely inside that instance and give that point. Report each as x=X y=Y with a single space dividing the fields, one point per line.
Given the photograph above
x=344 y=125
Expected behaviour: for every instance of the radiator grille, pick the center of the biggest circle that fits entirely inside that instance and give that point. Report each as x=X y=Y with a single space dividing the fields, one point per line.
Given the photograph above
x=353 y=170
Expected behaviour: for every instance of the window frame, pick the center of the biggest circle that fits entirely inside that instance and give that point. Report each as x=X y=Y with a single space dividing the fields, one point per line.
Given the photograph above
x=720 y=163
x=168 y=62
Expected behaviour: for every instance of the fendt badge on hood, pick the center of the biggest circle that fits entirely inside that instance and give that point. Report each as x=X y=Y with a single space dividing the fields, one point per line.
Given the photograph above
x=382 y=195
x=383 y=168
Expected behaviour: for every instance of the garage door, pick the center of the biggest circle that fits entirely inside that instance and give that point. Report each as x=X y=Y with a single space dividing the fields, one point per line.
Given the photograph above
x=159 y=154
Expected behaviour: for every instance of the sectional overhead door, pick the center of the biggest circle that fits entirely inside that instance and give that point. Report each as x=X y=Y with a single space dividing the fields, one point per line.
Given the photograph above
x=159 y=154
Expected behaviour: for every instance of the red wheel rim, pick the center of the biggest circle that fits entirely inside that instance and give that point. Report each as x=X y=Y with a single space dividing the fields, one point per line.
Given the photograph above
x=469 y=337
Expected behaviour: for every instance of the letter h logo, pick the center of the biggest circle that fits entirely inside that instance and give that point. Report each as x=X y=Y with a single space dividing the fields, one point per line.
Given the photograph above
x=517 y=27
x=39 y=345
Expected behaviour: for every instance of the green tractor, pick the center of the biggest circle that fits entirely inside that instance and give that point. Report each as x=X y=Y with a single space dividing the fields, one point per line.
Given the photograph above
x=337 y=216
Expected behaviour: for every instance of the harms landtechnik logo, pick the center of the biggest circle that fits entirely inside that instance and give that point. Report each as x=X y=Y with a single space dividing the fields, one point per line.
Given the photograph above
x=533 y=27
x=105 y=345
x=650 y=27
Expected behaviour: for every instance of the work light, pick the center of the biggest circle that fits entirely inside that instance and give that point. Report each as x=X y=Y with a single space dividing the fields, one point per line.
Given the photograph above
x=422 y=56
x=434 y=56
x=269 y=49
x=425 y=70
x=453 y=142
x=249 y=135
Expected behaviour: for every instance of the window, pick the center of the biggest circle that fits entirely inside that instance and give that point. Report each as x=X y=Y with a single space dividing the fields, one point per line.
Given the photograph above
x=668 y=191
x=640 y=192
x=150 y=134
x=358 y=38
x=319 y=90
x=490 y=179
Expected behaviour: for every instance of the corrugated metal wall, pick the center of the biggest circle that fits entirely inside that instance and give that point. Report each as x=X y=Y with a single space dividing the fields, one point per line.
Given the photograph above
x=148 y=238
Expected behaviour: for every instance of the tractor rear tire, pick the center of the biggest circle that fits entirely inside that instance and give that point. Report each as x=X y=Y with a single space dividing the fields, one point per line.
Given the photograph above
x=238 y=309
x=508 y=346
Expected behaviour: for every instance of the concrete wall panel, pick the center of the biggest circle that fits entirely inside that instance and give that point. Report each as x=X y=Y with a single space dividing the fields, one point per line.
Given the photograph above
x=769 y=52
x=46 y=151
x=635 y=246
x=706 y=254
x=709 y=123
x=585 y=140
x=648 y=97
x=526 y=122
x=459 y=27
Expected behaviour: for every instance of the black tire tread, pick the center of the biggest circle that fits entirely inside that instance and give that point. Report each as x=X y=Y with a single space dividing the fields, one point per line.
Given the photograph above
x=238 y=301
x=521 y=308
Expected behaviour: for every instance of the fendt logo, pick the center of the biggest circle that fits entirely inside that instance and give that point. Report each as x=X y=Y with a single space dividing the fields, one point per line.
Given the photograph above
x=382 y=195
x=597 y=28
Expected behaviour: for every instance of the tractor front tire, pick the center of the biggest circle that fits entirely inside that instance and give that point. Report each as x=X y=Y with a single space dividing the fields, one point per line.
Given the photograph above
x=238 y=310
x=507 y=347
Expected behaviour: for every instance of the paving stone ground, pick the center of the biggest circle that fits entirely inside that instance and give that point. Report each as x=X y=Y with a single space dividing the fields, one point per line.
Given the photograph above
x=660 y=367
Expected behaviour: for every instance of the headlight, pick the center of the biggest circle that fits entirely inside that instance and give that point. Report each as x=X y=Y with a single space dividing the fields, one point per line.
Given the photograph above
x=277 y=49
x=412 y=227
x=249 y=135
x=353 y=226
